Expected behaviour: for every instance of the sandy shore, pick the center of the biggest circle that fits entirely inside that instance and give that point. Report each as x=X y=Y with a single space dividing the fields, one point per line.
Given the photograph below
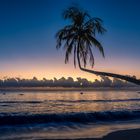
x=133 y=134
x=120 y=135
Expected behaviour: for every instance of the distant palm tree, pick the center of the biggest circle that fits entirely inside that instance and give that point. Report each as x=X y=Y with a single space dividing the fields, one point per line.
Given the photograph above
x=80 y=37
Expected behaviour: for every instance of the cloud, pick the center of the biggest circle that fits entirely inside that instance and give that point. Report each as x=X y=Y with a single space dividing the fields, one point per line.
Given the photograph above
x=105 y=81
x=64 y=82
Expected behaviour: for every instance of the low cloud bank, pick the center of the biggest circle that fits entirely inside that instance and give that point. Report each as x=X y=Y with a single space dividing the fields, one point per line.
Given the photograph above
x=64 y=82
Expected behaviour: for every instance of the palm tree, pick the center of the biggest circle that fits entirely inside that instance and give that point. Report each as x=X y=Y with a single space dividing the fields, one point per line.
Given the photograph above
x=80 y=37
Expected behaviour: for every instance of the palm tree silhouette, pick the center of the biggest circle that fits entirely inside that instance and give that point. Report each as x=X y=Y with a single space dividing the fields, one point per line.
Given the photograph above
x=80 y=37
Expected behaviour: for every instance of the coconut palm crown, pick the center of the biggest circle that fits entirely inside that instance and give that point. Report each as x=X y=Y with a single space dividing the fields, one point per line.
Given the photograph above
x=80 y=36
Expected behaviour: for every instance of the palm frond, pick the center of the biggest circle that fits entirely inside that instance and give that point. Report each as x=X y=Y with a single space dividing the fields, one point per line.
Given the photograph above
x=75 y=56
x=80 y=35
x=69 y=50
x=97 y=44
x=91 y=59
x=98 y=26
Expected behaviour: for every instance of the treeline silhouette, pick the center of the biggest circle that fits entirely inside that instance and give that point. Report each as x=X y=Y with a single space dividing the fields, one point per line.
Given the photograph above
x=63 y=82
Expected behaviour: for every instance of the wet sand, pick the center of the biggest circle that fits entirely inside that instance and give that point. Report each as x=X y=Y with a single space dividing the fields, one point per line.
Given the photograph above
x=133 y=134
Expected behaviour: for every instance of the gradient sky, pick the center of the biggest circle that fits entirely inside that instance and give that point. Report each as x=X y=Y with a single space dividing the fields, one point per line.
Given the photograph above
x=27 y=38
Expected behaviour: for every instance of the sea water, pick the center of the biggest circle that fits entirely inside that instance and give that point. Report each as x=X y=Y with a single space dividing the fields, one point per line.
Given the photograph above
x=67 y=114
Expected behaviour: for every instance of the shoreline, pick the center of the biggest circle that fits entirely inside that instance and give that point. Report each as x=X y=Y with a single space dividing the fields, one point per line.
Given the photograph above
x=124 y=134
x=130 y=134
x=137 y=89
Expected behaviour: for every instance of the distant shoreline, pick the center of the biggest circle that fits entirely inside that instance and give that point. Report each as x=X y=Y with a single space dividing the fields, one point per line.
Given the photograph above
x=69 y=89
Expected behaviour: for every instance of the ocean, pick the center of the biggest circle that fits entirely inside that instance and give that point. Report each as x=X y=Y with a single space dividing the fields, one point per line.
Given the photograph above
x=67 y=114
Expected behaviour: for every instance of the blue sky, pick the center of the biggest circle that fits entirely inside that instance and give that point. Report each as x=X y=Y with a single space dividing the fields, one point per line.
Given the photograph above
x=27 y=37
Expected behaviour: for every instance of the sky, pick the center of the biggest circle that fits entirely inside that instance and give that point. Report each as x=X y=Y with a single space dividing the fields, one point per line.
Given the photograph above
x=28 y=44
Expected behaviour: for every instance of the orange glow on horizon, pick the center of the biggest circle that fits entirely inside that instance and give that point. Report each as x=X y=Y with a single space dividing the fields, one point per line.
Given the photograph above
x=45 y=69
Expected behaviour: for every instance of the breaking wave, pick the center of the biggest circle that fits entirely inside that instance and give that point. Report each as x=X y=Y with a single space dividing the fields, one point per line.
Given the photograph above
x=81 y=117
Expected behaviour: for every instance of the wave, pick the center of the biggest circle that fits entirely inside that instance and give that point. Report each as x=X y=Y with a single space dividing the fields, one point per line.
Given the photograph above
x=81 y=117
x=71 y=101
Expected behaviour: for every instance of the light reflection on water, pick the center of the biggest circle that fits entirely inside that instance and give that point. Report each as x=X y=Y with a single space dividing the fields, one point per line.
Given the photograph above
x=68 y=101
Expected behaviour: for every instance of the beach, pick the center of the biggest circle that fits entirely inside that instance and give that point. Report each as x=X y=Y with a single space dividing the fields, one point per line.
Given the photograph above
x=70 y=70
x=97 y=115
x=133 y=134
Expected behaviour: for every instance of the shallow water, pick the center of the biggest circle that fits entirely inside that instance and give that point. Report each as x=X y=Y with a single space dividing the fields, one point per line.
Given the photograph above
x=68 y=113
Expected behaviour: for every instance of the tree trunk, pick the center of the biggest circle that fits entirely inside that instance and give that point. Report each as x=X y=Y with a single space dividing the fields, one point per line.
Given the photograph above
x=122 y=77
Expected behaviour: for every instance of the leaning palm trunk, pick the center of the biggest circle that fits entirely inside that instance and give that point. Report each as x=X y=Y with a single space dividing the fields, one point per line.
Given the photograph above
x=122 y=77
